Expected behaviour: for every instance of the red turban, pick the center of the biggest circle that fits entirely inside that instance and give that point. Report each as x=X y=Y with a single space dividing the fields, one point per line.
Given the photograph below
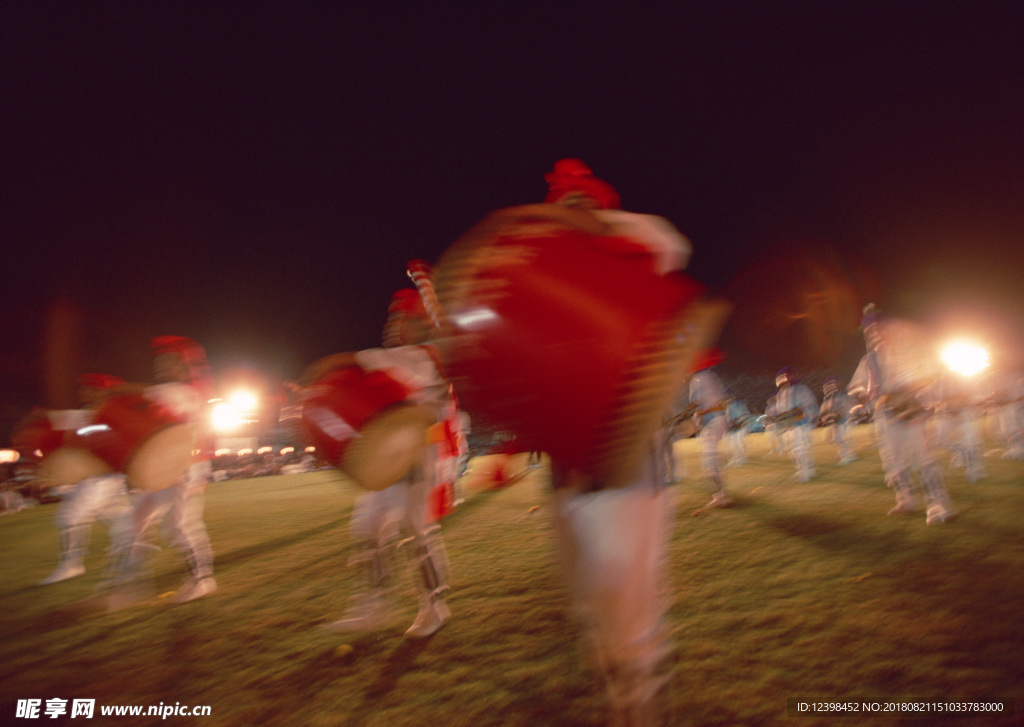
x=572 y=175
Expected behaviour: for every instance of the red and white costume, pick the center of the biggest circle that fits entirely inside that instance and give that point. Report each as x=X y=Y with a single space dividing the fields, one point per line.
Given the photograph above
x=613 y=541
x=101 y=497
x=405 y=503
x=181 y=504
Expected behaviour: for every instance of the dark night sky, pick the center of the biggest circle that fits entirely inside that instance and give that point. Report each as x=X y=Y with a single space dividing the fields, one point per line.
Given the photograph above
x=257 y=175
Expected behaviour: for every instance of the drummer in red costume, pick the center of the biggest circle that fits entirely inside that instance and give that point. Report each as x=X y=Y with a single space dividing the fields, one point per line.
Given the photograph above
x=98 y=497
x=407 y=359
x=184 y=386
x=613 y=541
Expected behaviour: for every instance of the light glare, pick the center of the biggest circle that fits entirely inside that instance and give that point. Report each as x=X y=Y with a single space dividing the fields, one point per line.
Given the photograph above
x=964 y=357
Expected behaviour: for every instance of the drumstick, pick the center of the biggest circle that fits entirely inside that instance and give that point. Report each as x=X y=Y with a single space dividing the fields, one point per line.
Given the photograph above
x=422 y=277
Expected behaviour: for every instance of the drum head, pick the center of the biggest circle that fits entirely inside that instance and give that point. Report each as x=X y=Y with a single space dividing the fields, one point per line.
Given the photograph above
x=388 y=447
x=161 y=459
x=69 y=465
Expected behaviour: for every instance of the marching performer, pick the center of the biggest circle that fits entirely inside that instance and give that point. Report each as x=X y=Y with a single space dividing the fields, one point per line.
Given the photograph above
x=1008 y=408
x=709 y=397
x=613 y=540
x=407 y=358
x=835 y=414
x=739 y=421
x=772 y=428
x=898 y=376
x=956 y=424
x=681 y=424
x=99 y=497
x=184 y=387
x=798 y=412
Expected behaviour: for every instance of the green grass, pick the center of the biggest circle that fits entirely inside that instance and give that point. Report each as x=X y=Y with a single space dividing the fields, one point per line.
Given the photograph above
x=802 y=590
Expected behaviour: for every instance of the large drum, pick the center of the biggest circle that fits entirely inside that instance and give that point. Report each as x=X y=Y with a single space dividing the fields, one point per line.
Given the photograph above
x=363 y=423
x=37 y=436
x=567 y=336
x=137 y=436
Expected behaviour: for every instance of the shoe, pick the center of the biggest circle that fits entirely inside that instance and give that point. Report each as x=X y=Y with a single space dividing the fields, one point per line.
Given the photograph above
x=903 y=507
x=365 y=615
x=721 y=499
x=432 y=617
x=194 y=589
x=64 y=571
x=938 y=514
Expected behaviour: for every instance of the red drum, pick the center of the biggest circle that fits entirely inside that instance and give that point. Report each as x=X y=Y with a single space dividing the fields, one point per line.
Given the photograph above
x=35 y=436
x=568 y=337
x=137 y=436
x=363 y=424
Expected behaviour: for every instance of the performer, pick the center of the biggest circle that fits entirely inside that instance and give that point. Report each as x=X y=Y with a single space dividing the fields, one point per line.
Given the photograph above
x=184 y=387
x=1008 y=407
x=407 y=357
x=613 y=541
x=772 y=428
x=709 y=396
x=956 y=423
x=835 y=415
x=798 y=411
x=899 y=378
x=739 y=422
x=681 y=424
x=100 y=497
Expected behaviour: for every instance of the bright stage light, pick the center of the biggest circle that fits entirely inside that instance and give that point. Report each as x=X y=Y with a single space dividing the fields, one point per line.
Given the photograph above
x=965 y=357
x=226 y=418
x=244 y=402
x=9 y=455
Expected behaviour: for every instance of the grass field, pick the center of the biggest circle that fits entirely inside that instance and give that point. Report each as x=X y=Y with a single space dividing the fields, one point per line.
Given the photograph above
x=803 y=591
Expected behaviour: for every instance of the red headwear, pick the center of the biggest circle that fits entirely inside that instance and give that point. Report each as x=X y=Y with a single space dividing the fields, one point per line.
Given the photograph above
x=707 y=358
x=194 y=357
x=99 y=381
x=572 y=175
x=408 y=301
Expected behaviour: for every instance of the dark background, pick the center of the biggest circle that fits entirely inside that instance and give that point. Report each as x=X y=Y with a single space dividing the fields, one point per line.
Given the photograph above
x=257 y=175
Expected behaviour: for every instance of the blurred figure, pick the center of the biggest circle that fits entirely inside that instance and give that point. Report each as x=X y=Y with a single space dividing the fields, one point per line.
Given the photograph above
x=613 y=540
x=680 y=424
x=376 y=514
x=835 y=415
x=100 y=497
x=739 y=421
x=772 y=428
x=957 y=423
x=708 y=395
x=1008 y=410
x=184 y=386
x=899 y=376
x=798 y=413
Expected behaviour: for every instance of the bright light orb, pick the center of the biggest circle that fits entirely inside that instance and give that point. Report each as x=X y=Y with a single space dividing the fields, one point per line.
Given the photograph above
x=226 y=418
x=9 y=455
x=244 y=402
x=964 y=357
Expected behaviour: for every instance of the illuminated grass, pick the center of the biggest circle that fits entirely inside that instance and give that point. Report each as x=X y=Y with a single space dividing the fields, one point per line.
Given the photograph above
x=803 y=590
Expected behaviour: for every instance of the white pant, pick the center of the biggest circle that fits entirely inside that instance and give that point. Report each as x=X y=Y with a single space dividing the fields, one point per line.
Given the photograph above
x=182 y=504
x=105 y=498
x=613 y=546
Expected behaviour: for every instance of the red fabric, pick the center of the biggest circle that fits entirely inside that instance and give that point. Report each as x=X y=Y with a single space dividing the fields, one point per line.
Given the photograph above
x=572 y=175
x=407 y=300
x=708 y=358
x=99 y=381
